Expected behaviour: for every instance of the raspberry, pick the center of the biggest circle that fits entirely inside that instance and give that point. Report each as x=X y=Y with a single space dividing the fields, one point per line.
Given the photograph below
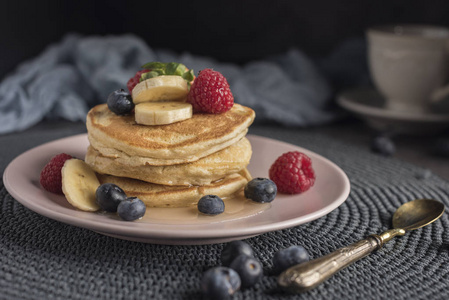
x=51 y=179
x=210 y=93
x=293 y=173
x=133 y=81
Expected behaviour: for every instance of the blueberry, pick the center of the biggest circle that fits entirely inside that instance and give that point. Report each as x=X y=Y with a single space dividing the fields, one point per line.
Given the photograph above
x=383 y=145
x=120 y=102
x=131 y=209
x=211 y=205
x=288 y=257
x=109 y=196
x=234 y=249
x=261 y=190
x=423 y=174
x=220 y=283
x=249 y=269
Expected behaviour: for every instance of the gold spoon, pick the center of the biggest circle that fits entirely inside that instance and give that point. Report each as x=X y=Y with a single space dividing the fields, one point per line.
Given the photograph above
x=409 y=216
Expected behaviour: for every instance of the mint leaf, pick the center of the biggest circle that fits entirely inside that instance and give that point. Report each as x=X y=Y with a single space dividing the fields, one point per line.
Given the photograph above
x=172 y=68
x=151 y=74
x=175 y=69
x=154 y=65
x=188 y=76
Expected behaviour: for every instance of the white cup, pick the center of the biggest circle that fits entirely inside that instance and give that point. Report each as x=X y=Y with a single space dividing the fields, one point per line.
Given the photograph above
x=409 y=65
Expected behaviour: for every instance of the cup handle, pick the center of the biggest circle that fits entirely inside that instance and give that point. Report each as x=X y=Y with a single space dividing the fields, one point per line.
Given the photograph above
x=439 y=94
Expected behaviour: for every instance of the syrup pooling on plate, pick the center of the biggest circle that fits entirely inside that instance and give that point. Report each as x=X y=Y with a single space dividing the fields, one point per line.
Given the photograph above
x=236 y=207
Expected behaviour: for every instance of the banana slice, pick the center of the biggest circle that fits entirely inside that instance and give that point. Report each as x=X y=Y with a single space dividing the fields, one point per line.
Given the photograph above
x=161 y=113
x=161 y=88
x=79 y=184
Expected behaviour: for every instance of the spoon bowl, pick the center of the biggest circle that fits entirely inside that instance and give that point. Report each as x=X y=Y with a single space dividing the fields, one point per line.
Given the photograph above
x=417 y=213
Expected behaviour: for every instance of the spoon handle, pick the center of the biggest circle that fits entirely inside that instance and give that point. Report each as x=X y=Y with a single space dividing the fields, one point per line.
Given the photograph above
x=308 y=275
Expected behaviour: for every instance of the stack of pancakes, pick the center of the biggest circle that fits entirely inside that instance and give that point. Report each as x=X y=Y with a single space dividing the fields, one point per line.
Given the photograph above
x=171 y=165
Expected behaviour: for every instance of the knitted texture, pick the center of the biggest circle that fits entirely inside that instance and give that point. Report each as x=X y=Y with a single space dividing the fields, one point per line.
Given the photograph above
x=44 y=259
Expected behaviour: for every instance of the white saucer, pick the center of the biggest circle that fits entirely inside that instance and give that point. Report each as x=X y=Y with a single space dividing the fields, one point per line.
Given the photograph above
x=368 y=104
x=21 y=179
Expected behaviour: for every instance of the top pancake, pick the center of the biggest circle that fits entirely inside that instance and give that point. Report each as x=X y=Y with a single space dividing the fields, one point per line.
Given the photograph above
x=181 y=142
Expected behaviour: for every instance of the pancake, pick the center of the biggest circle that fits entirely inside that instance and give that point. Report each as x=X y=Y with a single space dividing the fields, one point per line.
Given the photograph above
x=203 y=171
x=156 y=195
x=121 y=138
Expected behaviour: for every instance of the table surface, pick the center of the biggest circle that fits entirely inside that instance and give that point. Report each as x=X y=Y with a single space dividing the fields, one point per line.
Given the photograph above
x=418 y=150
x=42 y=258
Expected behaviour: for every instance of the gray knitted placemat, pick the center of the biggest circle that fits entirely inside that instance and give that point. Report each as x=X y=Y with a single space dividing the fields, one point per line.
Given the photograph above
x=43 y=259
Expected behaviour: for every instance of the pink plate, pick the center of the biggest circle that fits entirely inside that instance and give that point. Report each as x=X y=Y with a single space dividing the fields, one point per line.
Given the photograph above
x=21 y=179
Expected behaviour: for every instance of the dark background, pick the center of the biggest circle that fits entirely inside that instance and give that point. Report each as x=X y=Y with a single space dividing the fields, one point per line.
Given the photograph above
x=230 y=31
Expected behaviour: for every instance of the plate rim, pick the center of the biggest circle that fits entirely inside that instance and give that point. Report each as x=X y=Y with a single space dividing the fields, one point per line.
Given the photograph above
x=138 y=232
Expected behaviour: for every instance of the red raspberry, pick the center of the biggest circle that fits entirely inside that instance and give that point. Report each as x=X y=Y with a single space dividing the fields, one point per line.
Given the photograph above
x=293 y=173
x=133 y=81
x=210 y=93
x=51 y=178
